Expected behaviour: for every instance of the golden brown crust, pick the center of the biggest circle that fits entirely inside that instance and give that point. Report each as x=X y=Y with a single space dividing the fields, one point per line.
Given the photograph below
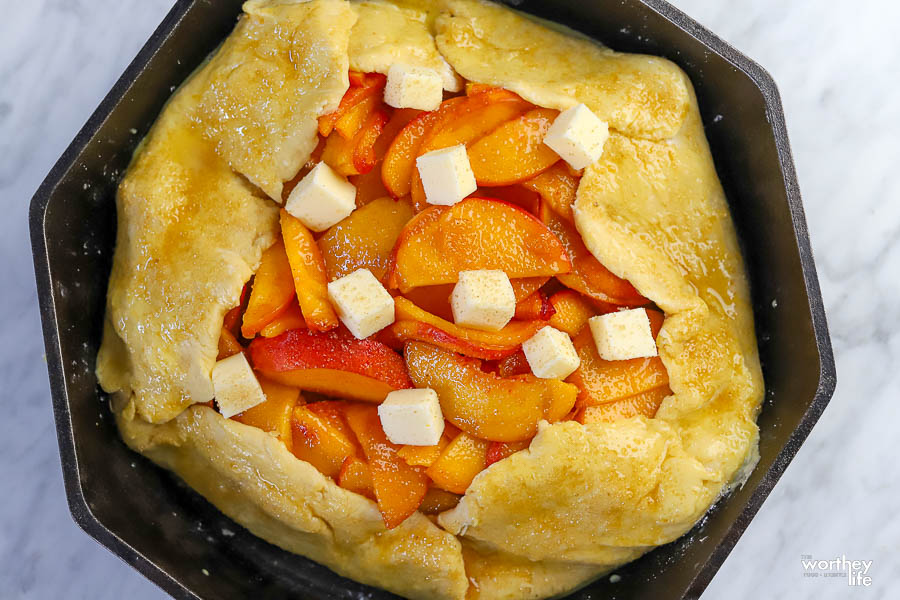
x=582 y=499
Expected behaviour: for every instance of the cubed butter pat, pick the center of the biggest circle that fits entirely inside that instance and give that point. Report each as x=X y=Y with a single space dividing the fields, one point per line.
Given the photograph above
x=322 y=198
x=362 y=303
x=413 y=87
x=551 y=354
x=446 y=175
x=235 y=386
x=623 y=335
x=483 y=300
x=578 y=136
x=412 y=417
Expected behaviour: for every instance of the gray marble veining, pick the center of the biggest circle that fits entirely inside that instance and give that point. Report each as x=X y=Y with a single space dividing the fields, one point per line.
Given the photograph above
x=837 y=71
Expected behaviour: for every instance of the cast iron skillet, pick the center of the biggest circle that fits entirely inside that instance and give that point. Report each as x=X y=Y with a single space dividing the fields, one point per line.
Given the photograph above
x=175 y=538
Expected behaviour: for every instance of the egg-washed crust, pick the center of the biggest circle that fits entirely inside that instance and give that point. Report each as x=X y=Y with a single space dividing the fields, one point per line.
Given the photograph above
x=582 y=499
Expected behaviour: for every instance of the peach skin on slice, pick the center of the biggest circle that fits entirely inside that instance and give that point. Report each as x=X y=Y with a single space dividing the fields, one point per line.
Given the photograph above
x=459 y=463
x=476 y=233
x=399 y=487
x=571 y=311
x=414 y=324
x=319 y=442
x=308 y=270
x=362 y=86
x=272 y=290
x=497 y=451
x=356 y=155
x=332 y=363
x=645 y=403
x=588 y=275
x=602 y=381
x=275 y=414
x=515 y=151
x=365 y=239
x=482 y=404
x=557 y=187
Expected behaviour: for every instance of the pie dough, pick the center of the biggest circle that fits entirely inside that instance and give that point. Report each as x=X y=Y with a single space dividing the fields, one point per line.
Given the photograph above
x=194 y=219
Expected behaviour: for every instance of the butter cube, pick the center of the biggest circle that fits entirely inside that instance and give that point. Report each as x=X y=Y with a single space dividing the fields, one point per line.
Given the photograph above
x=483 y=300
x=412 y=417
x=362 y=303
x=235 y=385
x=446 y=175
x=322 y=198
x=578 y=136
x=551 y=354
x=413 y=87
x=623 y=335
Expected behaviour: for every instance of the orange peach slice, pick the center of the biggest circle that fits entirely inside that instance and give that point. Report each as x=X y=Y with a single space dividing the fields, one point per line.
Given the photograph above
x=645 y=403
x=275 y=414
x=571 y=311
x=588 y=276
x=228 y=344
x=436 y=298
x=536 y=306
x=365 y=239
x=399 y=488
x=308 y=270
x=437 y=501
x=319 y=442
x=459 y=463
x=414 y=324
x=514 y=151
x=476 y=233
x=362 y=86
x=557 y=187
x=602 y=381
x=356 y=155
x=485 y=405
x=356 y=476
x=272 y=290
x=333 y=363
x=292 y=318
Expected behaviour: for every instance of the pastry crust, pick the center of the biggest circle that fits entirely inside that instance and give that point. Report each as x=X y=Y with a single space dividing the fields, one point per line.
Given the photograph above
x=582 y=499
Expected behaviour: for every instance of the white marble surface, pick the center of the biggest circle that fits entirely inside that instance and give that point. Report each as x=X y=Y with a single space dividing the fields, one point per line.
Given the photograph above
x=838 y=77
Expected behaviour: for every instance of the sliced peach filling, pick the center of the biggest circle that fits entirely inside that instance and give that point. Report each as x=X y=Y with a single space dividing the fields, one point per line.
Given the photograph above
x=323 y=386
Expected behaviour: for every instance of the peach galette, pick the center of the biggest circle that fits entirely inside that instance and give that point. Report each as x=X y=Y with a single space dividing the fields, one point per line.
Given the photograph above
x=442 y=298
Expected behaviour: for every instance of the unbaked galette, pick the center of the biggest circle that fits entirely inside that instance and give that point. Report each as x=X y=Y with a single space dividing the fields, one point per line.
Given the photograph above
x=434 y=294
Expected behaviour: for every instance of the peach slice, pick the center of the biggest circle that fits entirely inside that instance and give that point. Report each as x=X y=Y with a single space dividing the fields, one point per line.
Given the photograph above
x=437 y=501
x=369 y=186
x=399 y=488
x=414 y=324
x=400 y=158
x=557 y=187
x=356 y=155
x=436 y=298
x=308 y=270
x=518 y=195
x=645 y=403
x=319 y=442
x=536 y=306
x=272 y=290
x=602 y=381
x=588 y=276
x=362 y=86
x=482 y=404
x=476 y=233
x=365 y=239
x=514 y=151
x=459 y=463
x=292 y=318
x=497 y=451
x=514 y=364
x=333 y=363
x=470 y=120
x=356 y=476
x=571 y=311
x=275 y=414
x=228 y=344
x=424 y=456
